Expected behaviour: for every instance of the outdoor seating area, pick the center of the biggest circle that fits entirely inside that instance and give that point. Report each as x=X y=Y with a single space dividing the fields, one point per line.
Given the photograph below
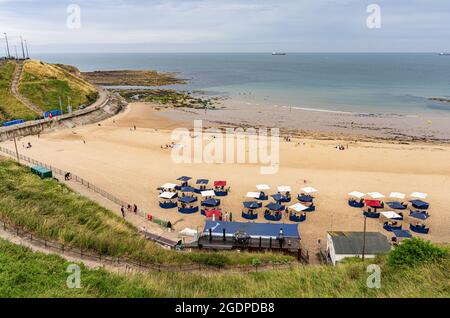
x=392 y=220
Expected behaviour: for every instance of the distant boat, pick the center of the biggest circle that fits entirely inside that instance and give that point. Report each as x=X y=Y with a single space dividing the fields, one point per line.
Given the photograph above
x=442 y=54
x=278 y=53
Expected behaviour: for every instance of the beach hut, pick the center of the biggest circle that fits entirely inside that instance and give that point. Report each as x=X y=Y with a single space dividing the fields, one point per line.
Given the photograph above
x=202 y=185
x=219 y=188
x=356 y=199
x=183 y=182
x=297 y=212
x=168 y=200
x=42 y=172
x=187 y=191
x=372 y=214
x=263 y=188
x=249 y=212
x=341 y=245
x=419 y=204
x=274 y=211
x=187 y=199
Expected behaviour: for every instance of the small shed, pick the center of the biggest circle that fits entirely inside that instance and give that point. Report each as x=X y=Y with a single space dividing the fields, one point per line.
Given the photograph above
x=42 y=172
x=350 y=244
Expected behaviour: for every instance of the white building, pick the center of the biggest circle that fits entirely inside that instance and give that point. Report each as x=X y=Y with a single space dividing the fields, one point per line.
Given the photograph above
x=350 y=244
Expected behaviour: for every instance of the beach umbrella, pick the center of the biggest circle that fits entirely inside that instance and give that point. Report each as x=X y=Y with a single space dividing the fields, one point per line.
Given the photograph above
x=298 y=207
x=376 y=195
x=187 y=189
x=184 y=179
x=357 y=194
x=168 y=195
x=253 y=195
x=275 y=206
x=168 y=186
x=284 y=189
x=308 y=190
x=202 y=181
x=401 y=233
x=252 y=205
x=187 y=199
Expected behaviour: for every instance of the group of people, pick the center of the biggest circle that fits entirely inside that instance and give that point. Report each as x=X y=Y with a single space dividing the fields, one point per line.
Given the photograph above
x=130 y=209
x=168 y=146
x=341 y=147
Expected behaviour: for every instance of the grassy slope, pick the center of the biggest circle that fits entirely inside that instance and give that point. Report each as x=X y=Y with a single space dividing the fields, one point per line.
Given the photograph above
x=51 y=210
x=43 y=83
x=10 y=107
x=27 y=274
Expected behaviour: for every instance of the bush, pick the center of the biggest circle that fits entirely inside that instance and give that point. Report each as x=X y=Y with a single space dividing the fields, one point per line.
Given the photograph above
x=415 y=251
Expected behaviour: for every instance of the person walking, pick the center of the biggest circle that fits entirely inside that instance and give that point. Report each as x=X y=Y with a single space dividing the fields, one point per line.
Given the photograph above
x=135 y=209
x=122 y=210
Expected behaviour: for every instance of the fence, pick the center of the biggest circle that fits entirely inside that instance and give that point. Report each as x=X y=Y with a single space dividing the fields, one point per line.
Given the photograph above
x=83 y=182
x=129 y=264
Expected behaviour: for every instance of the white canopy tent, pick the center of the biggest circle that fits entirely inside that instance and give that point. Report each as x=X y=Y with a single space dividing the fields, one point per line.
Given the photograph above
x=376 y=195
x=208 y=193
x=357 y=194
x=253 y=195
x=419 y=195
x=189 y=232
x=397 y=195
x=309 y=190
x=284 y=189
x=391 y=215
x=168 y=186
x=262 y=187
x=298 y=207
x=167 y=195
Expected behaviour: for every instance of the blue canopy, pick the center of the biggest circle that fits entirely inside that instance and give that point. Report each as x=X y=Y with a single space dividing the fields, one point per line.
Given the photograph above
x=187 y=189
x=419 y=215
x=252 y=205
x=275 y=206
x=401 y=233
x=278 y=197
x=419 y=204
x=305 y=198
x=211 y=202
x=202 y=181
x=184 y=179
x=255 y=230
x=187 y=199
x=395 y=205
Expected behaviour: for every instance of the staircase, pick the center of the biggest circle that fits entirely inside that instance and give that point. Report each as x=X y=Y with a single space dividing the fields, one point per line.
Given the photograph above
x=15 y=90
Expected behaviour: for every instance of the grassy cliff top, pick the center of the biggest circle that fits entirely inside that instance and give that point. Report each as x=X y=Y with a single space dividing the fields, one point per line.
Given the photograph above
x=44 y=83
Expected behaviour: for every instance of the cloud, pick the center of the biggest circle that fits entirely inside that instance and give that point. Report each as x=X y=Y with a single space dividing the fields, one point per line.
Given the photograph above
x=233 y=25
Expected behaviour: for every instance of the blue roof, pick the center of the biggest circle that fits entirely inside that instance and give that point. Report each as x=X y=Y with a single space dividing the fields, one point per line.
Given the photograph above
x=278 y=197
x=184 y=178
x=395 y=205
x=202 y=181
x=187 y=199
x=420 y=204
x=402 y=233
x=187 y=189
x=211 y=202
x=252 y=204
x=255 y=230
x=419 y=215
x=275 y=206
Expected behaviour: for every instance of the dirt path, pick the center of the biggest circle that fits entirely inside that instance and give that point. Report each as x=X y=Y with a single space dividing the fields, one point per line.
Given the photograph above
x=15 y=90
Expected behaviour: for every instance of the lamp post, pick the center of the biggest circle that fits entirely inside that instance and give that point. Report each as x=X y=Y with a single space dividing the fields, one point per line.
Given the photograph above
x=364 y=238
x=7 y=45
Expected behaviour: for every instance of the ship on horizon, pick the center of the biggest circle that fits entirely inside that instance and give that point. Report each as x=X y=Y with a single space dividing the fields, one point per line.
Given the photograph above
x=278 y=53
x=444 y=53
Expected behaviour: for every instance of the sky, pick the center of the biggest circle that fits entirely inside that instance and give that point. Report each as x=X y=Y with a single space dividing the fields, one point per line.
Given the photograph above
x=226 y=25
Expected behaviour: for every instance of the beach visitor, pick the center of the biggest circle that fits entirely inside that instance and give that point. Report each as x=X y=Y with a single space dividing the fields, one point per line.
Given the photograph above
x=135 y=209
x=122 y=210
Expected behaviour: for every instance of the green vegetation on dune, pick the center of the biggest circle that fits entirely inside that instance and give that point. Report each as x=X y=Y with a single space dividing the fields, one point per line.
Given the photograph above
x=10 y=107
x=52 y=211
x=43 y=84
x=27 y=274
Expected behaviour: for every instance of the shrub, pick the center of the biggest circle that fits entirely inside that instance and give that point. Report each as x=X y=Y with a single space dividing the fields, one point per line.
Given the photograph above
x=415 y=251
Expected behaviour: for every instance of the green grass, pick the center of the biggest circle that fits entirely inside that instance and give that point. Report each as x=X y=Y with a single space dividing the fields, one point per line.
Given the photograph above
x=44 y=83
x=10 y=107
x=52 y=211
x=27 y=274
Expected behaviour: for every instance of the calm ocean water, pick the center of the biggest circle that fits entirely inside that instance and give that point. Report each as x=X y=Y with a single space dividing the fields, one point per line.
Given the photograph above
x=368 y=83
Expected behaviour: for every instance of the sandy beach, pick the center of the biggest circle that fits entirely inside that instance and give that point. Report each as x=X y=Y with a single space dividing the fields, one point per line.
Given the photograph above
x=131 y=165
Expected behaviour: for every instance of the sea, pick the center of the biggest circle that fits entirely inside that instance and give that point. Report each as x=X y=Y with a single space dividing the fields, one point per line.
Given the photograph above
x=361 y=83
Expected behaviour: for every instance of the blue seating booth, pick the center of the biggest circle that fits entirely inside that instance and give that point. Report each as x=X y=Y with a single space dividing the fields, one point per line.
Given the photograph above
x=281 y=198
x=168 y=202
x=274 y=211
x=297 y=218
x=249 y=212
x=389 y=227
x=401 y=233
x=186 y=205
x=371 y=214
x=356 y=203
x=202 y=185
x=397 y=205
x=305 y=198
x=419 y=204
x=13 y=122
x=211 y=203
x=421 y=215
x=184 y=182
x=419 y=228
x=219 y=188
